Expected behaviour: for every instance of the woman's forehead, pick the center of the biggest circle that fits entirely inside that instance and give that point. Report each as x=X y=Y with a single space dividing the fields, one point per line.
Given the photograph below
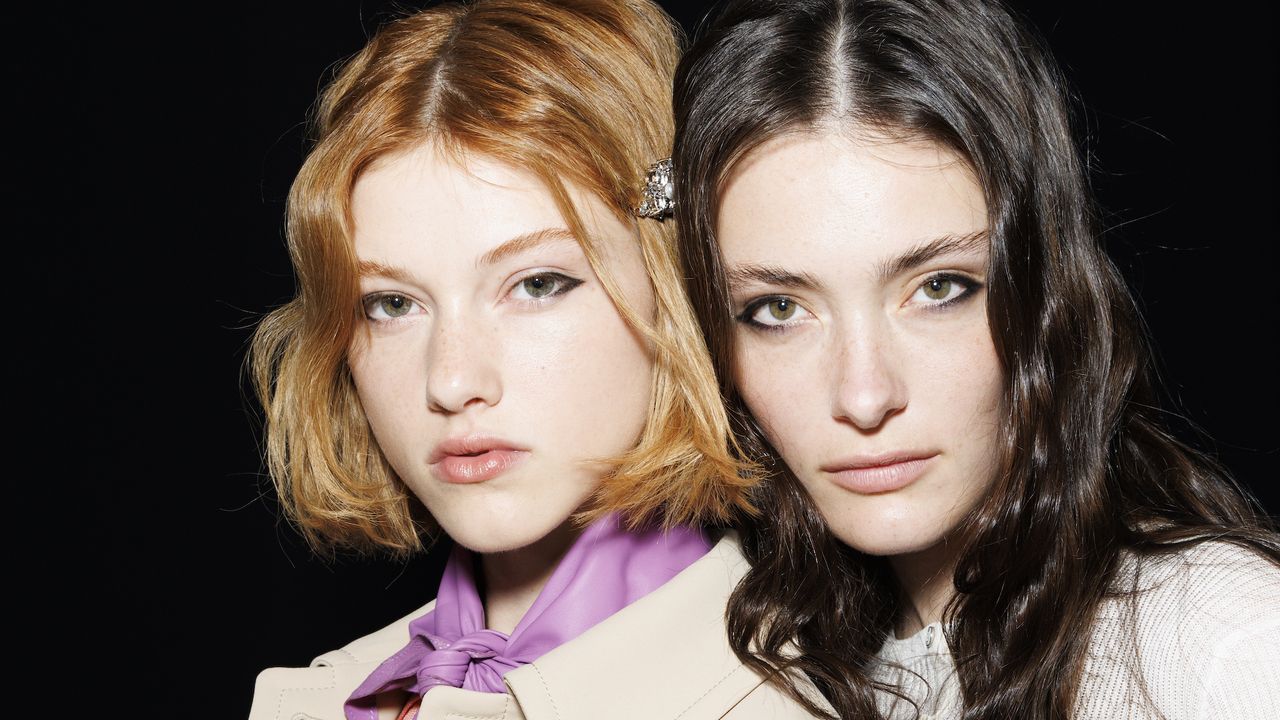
x=879 y=197
x=438 y=202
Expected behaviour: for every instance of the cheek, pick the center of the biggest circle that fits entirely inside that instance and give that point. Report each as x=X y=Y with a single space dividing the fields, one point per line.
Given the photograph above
x=979 y=377
x=967 y=395
x=779 y=391
x=613 y=362
x=384 y=376
x=592 y=380
x=367 y=375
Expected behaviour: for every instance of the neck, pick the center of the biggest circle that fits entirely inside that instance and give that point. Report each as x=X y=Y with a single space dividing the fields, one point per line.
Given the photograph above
x=925 y=578
x=513 y=579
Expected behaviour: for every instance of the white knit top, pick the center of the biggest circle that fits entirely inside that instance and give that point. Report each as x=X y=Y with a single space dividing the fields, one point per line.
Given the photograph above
x=1200 y=640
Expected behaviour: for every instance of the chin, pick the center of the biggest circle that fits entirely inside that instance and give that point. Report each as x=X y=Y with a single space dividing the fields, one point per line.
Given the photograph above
x=890 y=524
x=496 y=537
x=488 y=530
x=887 y=547
x=886 y=538
x=489 y=544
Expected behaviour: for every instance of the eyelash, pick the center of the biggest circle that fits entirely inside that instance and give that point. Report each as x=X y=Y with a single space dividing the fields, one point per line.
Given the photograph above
x=747 y=316
x=370 y=302
x=564 y=284
x=969 y=285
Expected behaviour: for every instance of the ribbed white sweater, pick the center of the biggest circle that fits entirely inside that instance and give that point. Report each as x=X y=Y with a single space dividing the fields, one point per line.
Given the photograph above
x=1200 y=641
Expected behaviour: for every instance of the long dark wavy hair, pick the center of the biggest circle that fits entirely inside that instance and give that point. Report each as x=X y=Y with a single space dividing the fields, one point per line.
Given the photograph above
x=1087 y=471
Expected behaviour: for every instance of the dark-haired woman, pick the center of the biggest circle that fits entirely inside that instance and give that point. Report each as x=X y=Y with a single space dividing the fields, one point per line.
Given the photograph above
x=974 y=510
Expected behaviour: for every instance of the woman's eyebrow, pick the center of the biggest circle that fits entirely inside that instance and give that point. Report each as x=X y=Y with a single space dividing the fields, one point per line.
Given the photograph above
x=523 y=242
x=926 y=251
x=373 y=268
x=771 y=275
x=517 y=244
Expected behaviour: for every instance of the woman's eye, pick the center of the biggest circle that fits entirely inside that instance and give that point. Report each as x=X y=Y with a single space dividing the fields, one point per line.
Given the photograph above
x=395 y=305
x=938 y=288
x=544 y=285
x=539 y=286
x=773 y=312
x=781 y=309
x=943 y=290
x=387 y=307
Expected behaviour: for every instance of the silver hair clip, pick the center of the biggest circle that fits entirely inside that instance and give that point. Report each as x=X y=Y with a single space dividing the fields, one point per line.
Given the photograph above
x=657 y=201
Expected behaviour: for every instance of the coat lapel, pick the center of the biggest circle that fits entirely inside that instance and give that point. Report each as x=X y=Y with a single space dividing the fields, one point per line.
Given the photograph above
x=664 y=656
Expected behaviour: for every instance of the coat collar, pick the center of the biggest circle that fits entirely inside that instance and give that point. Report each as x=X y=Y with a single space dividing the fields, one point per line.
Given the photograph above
x=664 y=656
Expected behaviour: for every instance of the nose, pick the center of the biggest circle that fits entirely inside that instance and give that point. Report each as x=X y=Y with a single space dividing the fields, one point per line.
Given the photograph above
x=869 y=385
x=462 y=366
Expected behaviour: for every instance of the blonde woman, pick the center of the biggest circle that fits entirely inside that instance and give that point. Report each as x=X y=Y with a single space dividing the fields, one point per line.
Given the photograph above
x=488 y=343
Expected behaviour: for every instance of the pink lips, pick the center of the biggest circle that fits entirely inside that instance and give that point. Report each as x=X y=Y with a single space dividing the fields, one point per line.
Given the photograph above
x=474 y=459
x=874 y=474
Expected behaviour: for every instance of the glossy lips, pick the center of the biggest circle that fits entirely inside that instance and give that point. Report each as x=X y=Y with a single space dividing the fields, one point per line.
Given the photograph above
x=874 y=474
x=474 y=459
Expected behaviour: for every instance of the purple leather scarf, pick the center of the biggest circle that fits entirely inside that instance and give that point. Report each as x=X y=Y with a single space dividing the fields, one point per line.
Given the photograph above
x=606 y=569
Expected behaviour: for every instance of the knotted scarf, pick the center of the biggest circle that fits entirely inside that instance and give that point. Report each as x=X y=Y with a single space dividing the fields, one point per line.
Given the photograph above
x=606 y=569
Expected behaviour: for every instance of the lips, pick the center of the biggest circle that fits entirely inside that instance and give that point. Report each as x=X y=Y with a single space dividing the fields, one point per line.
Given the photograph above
x=883 y=473
x=474 y=458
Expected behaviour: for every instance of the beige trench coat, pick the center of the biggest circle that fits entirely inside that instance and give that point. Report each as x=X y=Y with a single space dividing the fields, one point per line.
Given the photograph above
x=665 y=656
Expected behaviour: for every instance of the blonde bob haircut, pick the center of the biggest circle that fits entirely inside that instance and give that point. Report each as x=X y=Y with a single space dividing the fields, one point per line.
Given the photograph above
x=576 y=91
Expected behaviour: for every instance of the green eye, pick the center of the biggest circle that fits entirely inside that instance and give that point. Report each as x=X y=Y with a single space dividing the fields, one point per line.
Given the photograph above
x=394 y=305
x=937 y=288
x=539 y=286
x=774 y=314
x=782 y=309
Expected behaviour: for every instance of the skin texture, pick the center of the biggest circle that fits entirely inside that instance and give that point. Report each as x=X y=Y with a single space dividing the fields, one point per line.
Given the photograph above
x=865 y=363
x=465 y=347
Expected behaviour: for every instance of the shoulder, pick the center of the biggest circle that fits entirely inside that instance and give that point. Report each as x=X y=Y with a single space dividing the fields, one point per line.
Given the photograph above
x=319 y=691
x=1187 y=634
x=1218 y=585
x=376 y=646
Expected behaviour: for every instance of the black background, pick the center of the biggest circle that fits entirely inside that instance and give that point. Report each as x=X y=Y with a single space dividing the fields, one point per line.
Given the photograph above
x=166 y=220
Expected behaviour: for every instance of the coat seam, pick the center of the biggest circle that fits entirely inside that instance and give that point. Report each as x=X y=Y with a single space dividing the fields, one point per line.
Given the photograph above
x=280 y=695
x=708 y=692
x=738 y=702
x=554 y=708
